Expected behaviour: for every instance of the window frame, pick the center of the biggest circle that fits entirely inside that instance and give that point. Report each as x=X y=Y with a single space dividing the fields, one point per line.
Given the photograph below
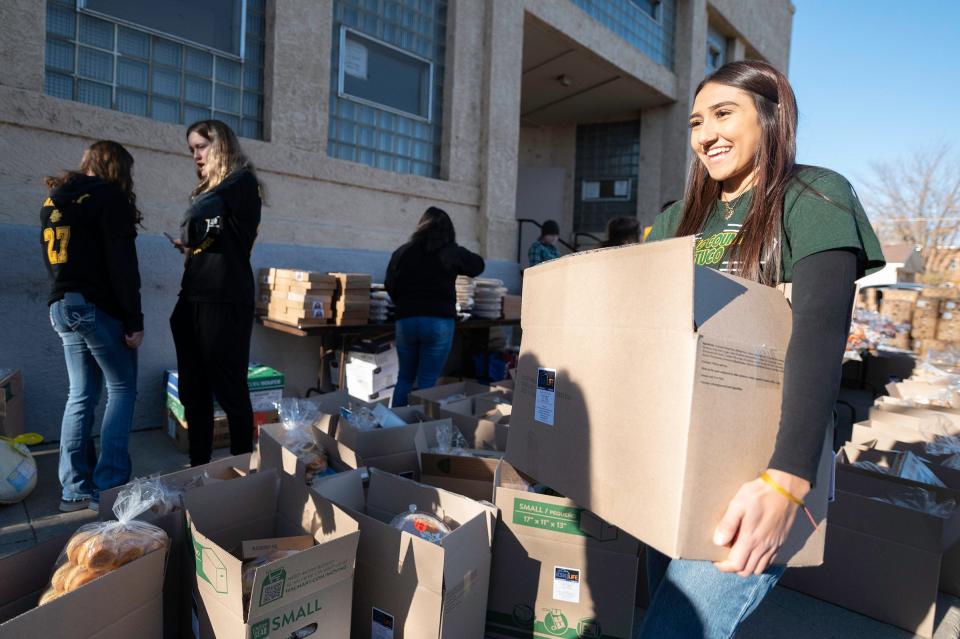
x=81 y=6
x=627 y=198
x=657 y=9
x=341 y=76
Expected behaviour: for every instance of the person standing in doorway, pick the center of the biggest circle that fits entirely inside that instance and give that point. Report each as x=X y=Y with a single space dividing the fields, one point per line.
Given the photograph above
x=88 y=237
x=545 y=246
x=421 y=281
x=213 y=319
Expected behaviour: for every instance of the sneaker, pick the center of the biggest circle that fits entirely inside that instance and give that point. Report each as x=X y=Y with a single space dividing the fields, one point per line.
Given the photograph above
x=73 y=505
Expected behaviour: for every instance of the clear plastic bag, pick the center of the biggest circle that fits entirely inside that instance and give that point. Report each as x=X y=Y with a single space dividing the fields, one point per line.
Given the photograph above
x=420 y=524
x=99 y=548
x=952 y=462
x=940 y=440
x=920 y=500
x=916 y=469
x=871 y=466
x=297 y=416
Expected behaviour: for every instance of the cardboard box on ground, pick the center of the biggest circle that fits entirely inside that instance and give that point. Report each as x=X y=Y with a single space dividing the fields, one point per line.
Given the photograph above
x=662 y=376
x=11 y=403
x=558 y=570
x=126 y=602
x=391 y=449
x=177 y=583
x=884 y=559
x=407 y=586
x=308 y=592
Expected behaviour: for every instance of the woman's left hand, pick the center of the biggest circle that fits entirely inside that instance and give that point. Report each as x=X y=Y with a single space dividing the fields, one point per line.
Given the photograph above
x=757 y=522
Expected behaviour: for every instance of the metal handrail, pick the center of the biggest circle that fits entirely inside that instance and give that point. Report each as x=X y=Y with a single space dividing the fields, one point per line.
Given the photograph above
x=578 y=234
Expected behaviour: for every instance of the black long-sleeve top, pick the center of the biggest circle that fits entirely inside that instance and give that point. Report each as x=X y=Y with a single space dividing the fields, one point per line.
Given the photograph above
x=88 y=237
x=218 y=269
x=422 y=283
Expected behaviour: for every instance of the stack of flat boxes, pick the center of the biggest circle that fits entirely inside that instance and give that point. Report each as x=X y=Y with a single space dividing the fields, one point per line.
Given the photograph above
x=352 y=301
x=300 y=298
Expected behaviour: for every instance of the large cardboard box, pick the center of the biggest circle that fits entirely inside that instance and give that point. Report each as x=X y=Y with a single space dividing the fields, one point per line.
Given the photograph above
x=483 y=420
x=882 y=560
x=11 y=403
x=933 y=419
x=177 y=581
x=391 y=449
x=309 y=591
x=406 y=587
x=656 y=375
x=365 y=379
x=559 y=571
x=274 y=452
x=124 y=603
x=435 y=398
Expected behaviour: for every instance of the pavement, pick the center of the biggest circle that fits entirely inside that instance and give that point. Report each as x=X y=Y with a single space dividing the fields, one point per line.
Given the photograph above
x=783 y=614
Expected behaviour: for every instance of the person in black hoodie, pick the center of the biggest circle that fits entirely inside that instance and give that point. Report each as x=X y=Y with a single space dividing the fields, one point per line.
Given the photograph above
x=213 y=318
x=421 y=280
x=88 y=232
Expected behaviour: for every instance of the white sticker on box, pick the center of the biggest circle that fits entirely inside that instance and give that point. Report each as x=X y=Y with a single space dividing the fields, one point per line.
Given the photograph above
x=546 y=395
x=566 y=584
x=382 y=625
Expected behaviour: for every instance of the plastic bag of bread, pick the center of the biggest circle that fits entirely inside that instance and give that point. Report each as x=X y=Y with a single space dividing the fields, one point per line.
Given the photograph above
x=98 y=548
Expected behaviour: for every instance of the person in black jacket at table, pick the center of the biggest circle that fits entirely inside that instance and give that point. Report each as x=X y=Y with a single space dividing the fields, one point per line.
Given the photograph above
x=213 y=318
x=88 y=234
x=421 y=281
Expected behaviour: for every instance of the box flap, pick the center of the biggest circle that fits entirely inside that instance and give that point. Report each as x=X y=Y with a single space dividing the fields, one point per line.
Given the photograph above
x=652 y=286
x=725 y=304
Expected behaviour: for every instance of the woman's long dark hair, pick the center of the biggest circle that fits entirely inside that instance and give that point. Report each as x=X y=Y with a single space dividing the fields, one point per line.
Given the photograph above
x=434 y=231
x=775 y=164
x=109 y=161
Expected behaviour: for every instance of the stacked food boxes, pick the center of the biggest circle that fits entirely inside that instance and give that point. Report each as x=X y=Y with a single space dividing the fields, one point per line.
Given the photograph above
x=266 y=390
x=488 y=298
x=465 y=289
x=352 y=302
x=511 y=307
x=300 y=298
x=381 y=306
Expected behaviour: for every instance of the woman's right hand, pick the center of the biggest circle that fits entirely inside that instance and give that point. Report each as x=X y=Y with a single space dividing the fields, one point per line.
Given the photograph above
x=133 y=340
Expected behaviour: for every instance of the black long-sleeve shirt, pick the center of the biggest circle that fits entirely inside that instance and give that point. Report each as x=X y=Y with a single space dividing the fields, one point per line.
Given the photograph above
x=822 y=300
x=88 y=236
x=422 y=283
x=218 y=269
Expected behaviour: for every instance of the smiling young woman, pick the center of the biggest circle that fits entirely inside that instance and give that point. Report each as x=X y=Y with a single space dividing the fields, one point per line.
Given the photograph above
x=759 y=215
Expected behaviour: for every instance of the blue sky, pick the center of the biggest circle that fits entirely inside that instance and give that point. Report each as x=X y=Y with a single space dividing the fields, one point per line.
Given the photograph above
x=875 y=80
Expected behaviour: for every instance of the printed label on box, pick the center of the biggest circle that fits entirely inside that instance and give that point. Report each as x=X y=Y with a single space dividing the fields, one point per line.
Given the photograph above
x=566 y=584
x=273 y=586
x=382 y=625
x=538 y=514
x=543 y=411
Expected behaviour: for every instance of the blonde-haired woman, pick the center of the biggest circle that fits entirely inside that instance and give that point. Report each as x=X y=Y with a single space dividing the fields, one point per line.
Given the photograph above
x=213 y=318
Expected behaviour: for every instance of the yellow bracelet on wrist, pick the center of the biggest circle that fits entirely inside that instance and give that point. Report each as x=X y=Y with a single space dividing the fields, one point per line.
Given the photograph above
x=767 y=479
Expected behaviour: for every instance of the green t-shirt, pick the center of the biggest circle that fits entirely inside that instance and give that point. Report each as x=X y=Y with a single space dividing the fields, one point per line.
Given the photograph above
x=811 y=224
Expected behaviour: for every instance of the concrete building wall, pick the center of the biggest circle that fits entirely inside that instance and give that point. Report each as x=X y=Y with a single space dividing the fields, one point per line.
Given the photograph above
x=323 y=213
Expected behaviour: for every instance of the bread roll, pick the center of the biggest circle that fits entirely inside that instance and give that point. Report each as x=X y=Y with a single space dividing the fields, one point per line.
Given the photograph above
x=58 y=581
x=81 y=576
x=49 y=596
x=73 y=546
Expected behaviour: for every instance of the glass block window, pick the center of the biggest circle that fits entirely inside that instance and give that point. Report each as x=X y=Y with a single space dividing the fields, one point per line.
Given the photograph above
x=607 y=166
x=116 y=64
x=387 y=84
x=649 y=25
x=716 y=50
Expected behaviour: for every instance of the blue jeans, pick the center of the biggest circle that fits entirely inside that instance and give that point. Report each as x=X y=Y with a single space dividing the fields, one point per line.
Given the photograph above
x=691 y=599
x=423 y=344
x=94 y=349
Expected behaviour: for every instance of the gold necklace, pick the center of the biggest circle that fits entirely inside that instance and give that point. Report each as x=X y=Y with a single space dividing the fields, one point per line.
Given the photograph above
x=730 y=207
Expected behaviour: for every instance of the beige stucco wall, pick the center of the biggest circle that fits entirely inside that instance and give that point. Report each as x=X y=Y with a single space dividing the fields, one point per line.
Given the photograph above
x=553 y=147
x=766 y=26
x=312 y=199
